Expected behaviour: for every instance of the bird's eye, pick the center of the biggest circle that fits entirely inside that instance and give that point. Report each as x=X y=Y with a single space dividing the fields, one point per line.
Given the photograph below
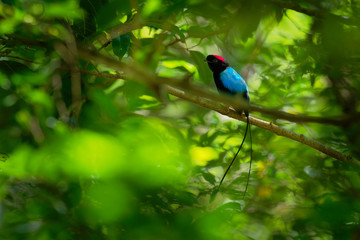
x=215 y=60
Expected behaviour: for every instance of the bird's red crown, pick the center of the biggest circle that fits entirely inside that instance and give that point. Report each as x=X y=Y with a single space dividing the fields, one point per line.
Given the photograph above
x=219 y=57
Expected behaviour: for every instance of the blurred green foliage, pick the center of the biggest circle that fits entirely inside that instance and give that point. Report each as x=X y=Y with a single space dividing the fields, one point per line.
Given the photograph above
x=84 y=156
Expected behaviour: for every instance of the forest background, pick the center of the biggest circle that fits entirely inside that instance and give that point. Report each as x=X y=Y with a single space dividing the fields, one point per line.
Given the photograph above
x=112 y=128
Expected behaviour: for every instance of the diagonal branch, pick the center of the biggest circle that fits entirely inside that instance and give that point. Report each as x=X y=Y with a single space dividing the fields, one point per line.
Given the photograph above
x=220 y=108
x=141 y=74
x=213 y=101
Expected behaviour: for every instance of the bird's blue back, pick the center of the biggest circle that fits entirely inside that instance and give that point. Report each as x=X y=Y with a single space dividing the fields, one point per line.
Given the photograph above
x=232 y=81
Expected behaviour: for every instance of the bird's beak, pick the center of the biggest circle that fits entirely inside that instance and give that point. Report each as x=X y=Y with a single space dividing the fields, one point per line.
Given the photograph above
x=205 y=60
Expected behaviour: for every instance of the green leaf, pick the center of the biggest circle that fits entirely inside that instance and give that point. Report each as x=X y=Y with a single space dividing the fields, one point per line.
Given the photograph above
x=204 y=72
x=168 y=26
x=209 y=177
x=121 y=45
x=139 y=96
x=195 y=31
x=109 y=14
x=86 y=26
x=68 y=9
x=151 y=6
x=3 y=157
x=10 y=67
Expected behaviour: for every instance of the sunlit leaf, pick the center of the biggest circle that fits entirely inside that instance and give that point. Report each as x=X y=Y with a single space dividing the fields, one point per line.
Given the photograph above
x=201 y=155
x=67 y=9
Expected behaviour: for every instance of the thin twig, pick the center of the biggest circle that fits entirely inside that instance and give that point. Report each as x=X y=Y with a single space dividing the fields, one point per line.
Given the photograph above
x=19 y=58
x=102 y=75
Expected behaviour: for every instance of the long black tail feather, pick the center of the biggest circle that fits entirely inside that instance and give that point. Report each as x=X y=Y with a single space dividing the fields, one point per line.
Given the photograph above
x=247 y=182
x=227 y=170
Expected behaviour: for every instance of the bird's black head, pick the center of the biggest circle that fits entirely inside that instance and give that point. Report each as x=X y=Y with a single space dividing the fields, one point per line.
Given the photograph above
x=216 y=63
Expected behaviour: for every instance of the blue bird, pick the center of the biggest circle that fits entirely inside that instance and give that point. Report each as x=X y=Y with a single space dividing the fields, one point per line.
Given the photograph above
x=228 y=81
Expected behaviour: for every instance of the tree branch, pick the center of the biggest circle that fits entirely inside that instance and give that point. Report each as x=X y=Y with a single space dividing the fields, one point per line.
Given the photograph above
x=315 y=12
x=132 y=24
x=220 y=108
x=141 y=74
x=212 y=101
